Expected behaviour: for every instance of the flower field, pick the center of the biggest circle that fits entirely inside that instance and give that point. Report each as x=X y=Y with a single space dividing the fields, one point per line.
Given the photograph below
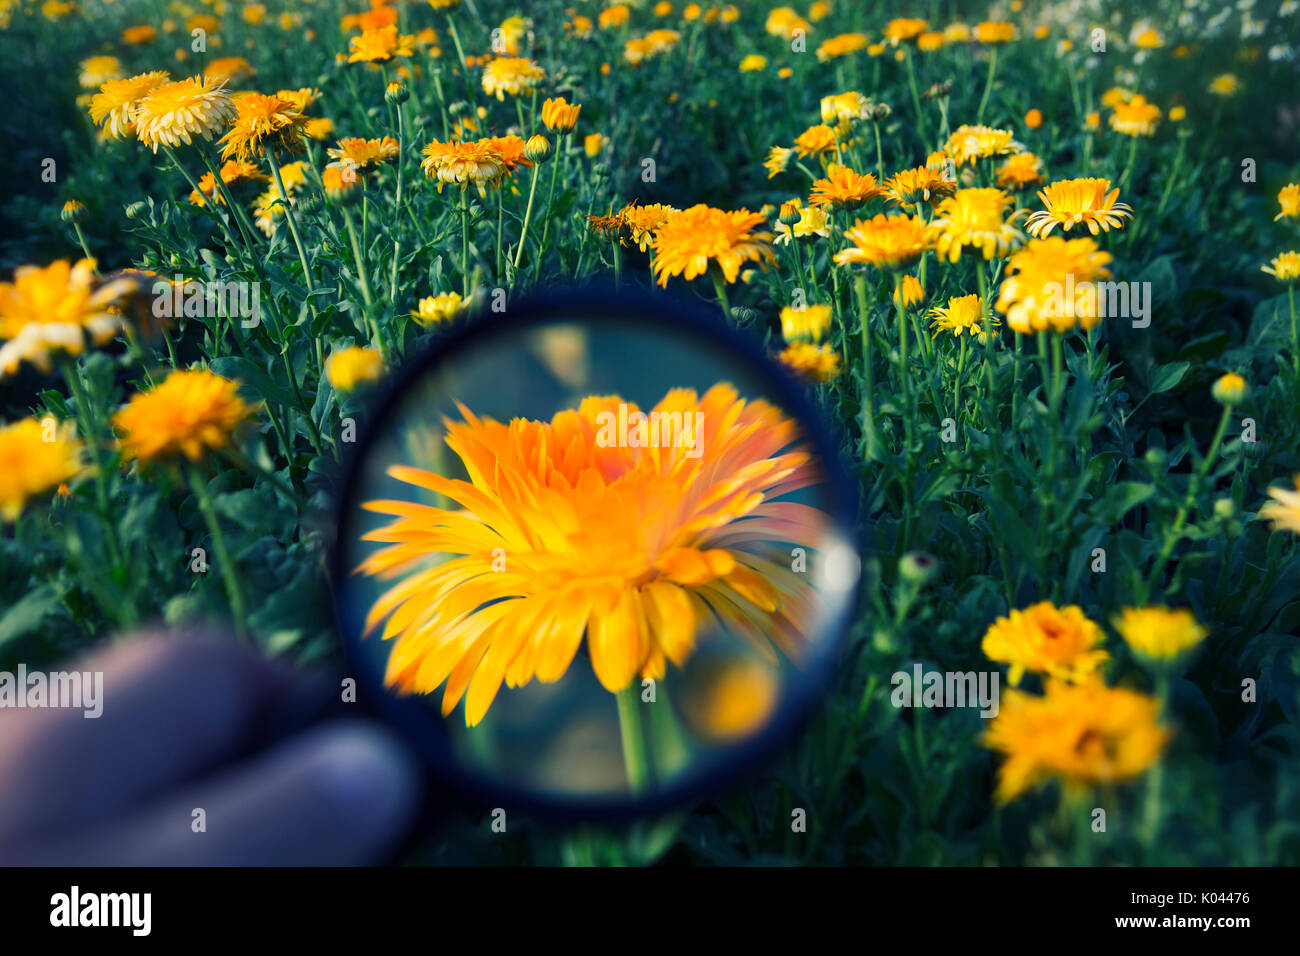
x=1034 y=264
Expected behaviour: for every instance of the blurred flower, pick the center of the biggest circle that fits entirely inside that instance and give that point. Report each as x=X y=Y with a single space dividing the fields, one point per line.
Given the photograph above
x=753 y=63
x=1034 y=295
x=436 y=309
x=1285 y=267
x=1019 y=171
x=814 y=140
x=845 y=44
x=513 y=75
x=191 y=413
x=350 y=367
x=1034 y=118
x=909 y=292
x=994 y=32
x=778 y=160
x=1288 y=199
x=974 y=219
x=814 y=363
x=1284 y=509
x=358 y=153
x=1158 y=633
x=810 y=322
x=35 y=457
x=98 y=70
x=905 y=28
x=890 y=243
x=1084 y=734
x=1043 y=639
x=1137 y=117
x=810 y=221
x=1225 y=84
x=1230 y=389
x=970 y=143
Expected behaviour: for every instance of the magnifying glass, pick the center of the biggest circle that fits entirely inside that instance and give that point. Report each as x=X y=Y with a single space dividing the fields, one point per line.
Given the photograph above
x=595 y=554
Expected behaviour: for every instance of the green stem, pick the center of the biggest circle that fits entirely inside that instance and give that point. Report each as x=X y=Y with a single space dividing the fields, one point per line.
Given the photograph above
x=528 y=215
x=988 y=84
x=228 y=571
x=636 y=759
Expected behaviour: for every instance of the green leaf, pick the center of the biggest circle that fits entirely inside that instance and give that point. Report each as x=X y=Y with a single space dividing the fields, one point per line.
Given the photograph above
x=1119 y=500
x=1167 y=376
x=27 y=614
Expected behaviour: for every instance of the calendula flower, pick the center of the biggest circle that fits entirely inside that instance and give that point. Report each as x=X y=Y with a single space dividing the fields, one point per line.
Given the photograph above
x=930 y=42
x=809 y=322
x=112 y=107
x=890 y=243
x=844 y=188
x=593 y=143
x=318 y=128
x=957 y=33
x=1069 y=202
x=191 y=413
x=359 y=153
x=1036 y=295
x=36 y=457
x=970 y=143
x=380 y=45
x=778 y=160
x=614 y=16
x=1116 y=96
x=338 y=181
x=845 y=44
x=785 y=22
x=909 y=292
x=812 y=221
x=908 y=187
x=636 y=548
x=232 y=171
x=1147 y=37
x=1285 y=267
x=1158 y=633
x=1019 y=171
x=654 y=43
x=905 y=28
x=1043 y=639
x=753 y=63
x=263 y=123
x=182 y=112
x=815 y=140
x=139 y=35
x=642 y=223
x=692 y=240
x=963 y=315
x=842 y=109
x=55 y=309
x=1284 y=509
x=436 y=309
x=974 y=219
x=511 y=34
x=1225 y=84
x=991 y=31
x=559 y=115
x=1137 y=117
x=1288 y=200
x=1230 y=389
x=513 y=75
x=350 y=367
x=1082 y=734
x=98 y=70
x=814 y=363
x=478 y=163
x=514 y=150
x=228 y=68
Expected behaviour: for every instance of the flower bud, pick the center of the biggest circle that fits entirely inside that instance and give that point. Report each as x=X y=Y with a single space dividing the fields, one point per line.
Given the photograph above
x=396 y=94
x=537 y=149
x=1230 y=389
x=917 y=567
x=73 y=211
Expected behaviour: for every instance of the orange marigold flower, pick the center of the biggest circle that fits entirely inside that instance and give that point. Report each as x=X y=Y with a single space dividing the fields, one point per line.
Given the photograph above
x=691 y=241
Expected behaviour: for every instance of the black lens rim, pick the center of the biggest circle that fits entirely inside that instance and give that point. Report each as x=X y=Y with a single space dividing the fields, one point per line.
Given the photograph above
x=416 y=722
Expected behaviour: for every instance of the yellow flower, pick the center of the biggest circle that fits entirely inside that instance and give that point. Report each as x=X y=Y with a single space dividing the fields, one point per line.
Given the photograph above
x=1019 y=171
x=139 y=35
x=234 y=171
x=784 y=22
x=974 y=219
x=350 y=367
x=778 y=160
x=1034 y=118
x=318 y=128
x=190 y=414
x=511 y=33
x=270 y=205
x=1158 y=633
x=654 y=43
x=1043 y=639
x=1148 y=38
x=98 y=70
x=480 y=163
x=1092 y=120
x=1137 y=117
x=963 y=315
x=436 y=309
x=513 y=75
x=262 y=123
x=1225 y=84
x=970 y=143
x=814 y=140
x=559 y=115
x=843 y=187
x=1284 y=509
x=1285 y=267
x=991 y=31
x=592 y=144
x=1070 y=202
x=1083 y=734
x=228 y=68
x=810 y=322
x=691 y=241
x=909 y=292
x=254 y=13
x=182 y=111
x=753 y=63
x=642 y=223
x=957 y=33
x=379 y=45
x=1288 y=199
x=845 y=44
x=1230 y=389
x=893 y=242
x=1035 y=296
x=55 y=309
x=815 y=363
x=842 y=109
x=31 y=465
x=813 y=221
x=625 y=546
x=1115 y=96
x=930 y=42
x=908 y=187
x=359 y=153
x=112 y=107
x=613 y=16
x=905 y=28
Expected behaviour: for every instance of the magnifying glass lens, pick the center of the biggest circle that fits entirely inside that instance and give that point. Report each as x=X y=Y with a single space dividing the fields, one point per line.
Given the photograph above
x=593 y=558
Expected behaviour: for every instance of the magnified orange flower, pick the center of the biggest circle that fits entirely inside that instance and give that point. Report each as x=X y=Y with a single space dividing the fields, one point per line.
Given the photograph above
x=563 y=533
